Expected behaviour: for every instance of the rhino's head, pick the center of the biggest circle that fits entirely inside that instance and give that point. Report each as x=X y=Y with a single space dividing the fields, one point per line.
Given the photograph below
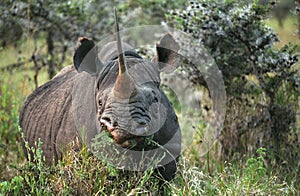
x=130 y=104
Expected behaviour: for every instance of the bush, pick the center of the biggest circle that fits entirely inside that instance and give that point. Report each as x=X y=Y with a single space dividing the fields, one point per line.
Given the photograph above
x=262 y=82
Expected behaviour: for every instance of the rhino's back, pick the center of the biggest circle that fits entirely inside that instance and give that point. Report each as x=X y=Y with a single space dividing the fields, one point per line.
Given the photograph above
x=47 y=114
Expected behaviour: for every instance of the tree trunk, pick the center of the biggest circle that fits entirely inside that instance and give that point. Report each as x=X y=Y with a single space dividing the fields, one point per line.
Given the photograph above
x=299 y=18
x=51 y=66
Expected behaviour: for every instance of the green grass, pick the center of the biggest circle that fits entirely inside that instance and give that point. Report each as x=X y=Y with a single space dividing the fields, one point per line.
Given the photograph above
x=22 y=78
x=82 y=174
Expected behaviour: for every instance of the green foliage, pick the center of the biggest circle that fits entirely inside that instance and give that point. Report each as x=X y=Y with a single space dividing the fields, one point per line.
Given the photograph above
x=262 y=82
x=244 y=177
x=9 y=135
x=255 y=170
x=14 y=187
x=56 y=23
x=60 y=24
x=147 y=12
x=34 y=177
x=253 y=179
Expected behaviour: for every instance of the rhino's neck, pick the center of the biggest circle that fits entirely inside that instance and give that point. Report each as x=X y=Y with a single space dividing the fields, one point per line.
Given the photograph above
x=110 y=52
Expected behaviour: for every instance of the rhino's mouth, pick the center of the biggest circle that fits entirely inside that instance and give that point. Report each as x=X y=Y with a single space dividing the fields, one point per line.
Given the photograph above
x=123 y=138
x=138 y=143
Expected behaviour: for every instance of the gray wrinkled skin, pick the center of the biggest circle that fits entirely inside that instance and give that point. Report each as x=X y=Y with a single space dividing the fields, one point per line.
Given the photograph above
x=49 y=113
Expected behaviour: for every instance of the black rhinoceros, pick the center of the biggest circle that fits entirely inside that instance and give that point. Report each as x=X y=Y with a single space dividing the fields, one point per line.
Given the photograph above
x=106 y=91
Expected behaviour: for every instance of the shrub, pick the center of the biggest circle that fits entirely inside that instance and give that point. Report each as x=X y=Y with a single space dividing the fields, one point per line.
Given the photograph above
x=262 y=82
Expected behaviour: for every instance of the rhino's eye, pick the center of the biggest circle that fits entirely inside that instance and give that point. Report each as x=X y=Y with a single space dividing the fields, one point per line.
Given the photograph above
x=100 y=102
x=155 y=99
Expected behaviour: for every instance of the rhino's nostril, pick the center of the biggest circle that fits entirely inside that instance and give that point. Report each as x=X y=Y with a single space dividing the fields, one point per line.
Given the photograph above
x=141 y=130
x=107 y=122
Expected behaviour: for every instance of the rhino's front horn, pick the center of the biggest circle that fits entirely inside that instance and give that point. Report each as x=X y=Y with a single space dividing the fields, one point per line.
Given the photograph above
x=125 y=85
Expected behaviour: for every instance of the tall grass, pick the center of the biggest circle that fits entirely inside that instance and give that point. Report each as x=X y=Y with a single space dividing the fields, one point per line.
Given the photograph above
x=83 y=174
x=10 y=148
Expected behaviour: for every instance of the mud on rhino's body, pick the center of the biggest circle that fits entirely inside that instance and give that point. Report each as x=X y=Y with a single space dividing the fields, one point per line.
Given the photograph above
x=125 y=83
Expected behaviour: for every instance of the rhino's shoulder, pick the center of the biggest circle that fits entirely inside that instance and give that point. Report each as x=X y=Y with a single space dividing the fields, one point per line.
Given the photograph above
x=65 y=71
x=48 y=93
x=62 y=80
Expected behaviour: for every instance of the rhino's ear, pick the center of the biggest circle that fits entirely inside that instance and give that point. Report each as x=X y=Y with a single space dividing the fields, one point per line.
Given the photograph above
x=86 y=56
x=167 y=56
